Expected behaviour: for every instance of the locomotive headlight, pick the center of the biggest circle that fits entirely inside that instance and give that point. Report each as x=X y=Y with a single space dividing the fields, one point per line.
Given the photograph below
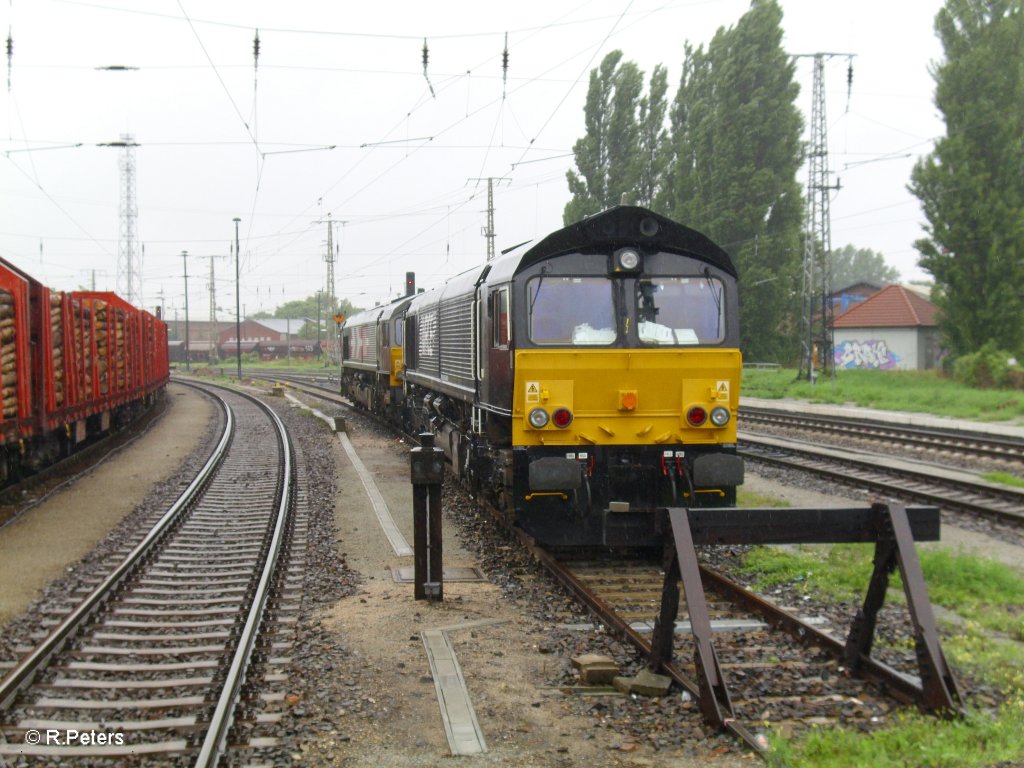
x=538 y=418
x=720 y=416
x=628 y=259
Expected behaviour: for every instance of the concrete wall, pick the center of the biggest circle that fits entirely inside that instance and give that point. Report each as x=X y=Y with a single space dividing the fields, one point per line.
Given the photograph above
x=885 y=348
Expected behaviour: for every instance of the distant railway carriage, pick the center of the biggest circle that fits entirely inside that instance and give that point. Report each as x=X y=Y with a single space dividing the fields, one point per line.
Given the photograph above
x=581 y=383
x=73 y=364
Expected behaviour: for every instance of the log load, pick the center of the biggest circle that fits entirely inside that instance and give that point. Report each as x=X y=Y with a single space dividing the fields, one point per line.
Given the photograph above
x=8 y=356
x=57 y=337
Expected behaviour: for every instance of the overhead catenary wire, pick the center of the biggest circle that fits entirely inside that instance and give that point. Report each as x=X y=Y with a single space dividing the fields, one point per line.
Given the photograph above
x=404 y=119
x=388 y=170
x=372 y=35
x=255 y=83
x=590 y=62
x=220 y=79
x=508 y=111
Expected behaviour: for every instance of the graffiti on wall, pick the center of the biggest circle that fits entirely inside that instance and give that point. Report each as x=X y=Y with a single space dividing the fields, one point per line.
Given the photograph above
x=865 y=354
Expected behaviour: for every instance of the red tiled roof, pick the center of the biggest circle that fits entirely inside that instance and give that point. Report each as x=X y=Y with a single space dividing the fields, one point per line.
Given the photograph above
x=892 y=307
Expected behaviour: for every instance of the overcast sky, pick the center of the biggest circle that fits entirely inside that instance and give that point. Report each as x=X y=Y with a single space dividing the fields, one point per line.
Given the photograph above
x=340 y=120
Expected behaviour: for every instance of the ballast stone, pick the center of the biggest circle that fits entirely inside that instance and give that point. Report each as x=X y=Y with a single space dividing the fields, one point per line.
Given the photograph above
x=646 y=683
x=595 y=669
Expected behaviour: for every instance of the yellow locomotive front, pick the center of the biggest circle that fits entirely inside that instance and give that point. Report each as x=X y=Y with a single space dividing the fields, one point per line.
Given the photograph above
x=626 y=383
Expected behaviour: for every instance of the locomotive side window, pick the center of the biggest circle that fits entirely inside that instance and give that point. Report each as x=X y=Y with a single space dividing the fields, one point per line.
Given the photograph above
x=410 y=347
x=680 y=310
x=577 y=311
x=499 y=318
x=398 y=333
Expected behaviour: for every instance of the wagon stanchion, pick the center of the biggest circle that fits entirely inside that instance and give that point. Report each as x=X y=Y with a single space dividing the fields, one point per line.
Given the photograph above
x=427 y=469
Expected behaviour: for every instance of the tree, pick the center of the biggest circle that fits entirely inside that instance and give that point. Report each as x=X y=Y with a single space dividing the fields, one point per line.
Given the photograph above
x=608 y=156
x=736 y=150
x=971 y=186
x=851 y=265
x=307 y=309
x=311 y=305
x=652 y=155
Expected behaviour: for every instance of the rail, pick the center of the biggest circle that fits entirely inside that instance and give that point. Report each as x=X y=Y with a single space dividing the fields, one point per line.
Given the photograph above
x=24 y=672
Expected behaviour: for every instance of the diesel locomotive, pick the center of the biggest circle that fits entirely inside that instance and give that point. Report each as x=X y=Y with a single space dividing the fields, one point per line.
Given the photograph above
x=580 y=384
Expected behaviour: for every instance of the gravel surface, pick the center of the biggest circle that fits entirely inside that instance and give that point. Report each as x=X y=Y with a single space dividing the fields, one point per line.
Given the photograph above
x=374 y=702
x=358 y=690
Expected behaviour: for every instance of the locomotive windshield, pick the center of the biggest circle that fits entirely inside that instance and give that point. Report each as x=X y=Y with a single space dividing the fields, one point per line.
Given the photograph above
x=680 y=310
x=578 y=311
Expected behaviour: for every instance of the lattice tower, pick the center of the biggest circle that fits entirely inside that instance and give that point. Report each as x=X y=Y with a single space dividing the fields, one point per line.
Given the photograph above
x=817 y=313
x=129 y=263
x=334 y=352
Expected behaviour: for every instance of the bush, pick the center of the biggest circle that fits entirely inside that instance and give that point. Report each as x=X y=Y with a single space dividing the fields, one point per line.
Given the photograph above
x=989 y=368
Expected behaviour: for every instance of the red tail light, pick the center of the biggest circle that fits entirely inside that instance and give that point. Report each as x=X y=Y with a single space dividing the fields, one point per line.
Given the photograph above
x=696 y=416
x=562 y=418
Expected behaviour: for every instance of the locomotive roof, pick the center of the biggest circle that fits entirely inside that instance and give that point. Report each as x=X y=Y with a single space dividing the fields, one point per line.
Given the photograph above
x=629 y=225
x=374 y=314
x=623 y=225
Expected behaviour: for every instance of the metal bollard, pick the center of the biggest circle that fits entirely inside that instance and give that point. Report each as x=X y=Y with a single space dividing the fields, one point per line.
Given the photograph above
x=427 y=465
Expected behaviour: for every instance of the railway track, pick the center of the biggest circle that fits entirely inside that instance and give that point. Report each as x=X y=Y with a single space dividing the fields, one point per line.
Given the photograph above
x=784 y=671
x=911 y=481
x=949 y=443
x=153 y=661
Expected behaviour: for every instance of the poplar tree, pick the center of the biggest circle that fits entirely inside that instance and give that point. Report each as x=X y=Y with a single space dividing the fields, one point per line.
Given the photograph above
x=653 y=136
x=971 y=186
x=736 y=151
x=608 y=157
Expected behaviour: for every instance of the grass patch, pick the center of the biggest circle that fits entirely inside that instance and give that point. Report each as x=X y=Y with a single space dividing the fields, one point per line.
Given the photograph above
x=999 y=662
x=745 y=498
x=838 y=571
x=980 y=590
x=1005 y=478
x=914 y=740
x=989 y=595
x=907 y=391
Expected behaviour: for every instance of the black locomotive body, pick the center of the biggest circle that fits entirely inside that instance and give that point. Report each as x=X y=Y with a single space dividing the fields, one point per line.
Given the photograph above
x=579 y=384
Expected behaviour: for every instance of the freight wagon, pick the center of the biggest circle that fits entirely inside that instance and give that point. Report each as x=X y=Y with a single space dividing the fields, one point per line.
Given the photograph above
x=73 y=365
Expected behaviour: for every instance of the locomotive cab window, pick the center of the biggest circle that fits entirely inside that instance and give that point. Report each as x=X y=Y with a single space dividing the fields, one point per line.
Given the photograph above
x=680 y=310
x=573 y=311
